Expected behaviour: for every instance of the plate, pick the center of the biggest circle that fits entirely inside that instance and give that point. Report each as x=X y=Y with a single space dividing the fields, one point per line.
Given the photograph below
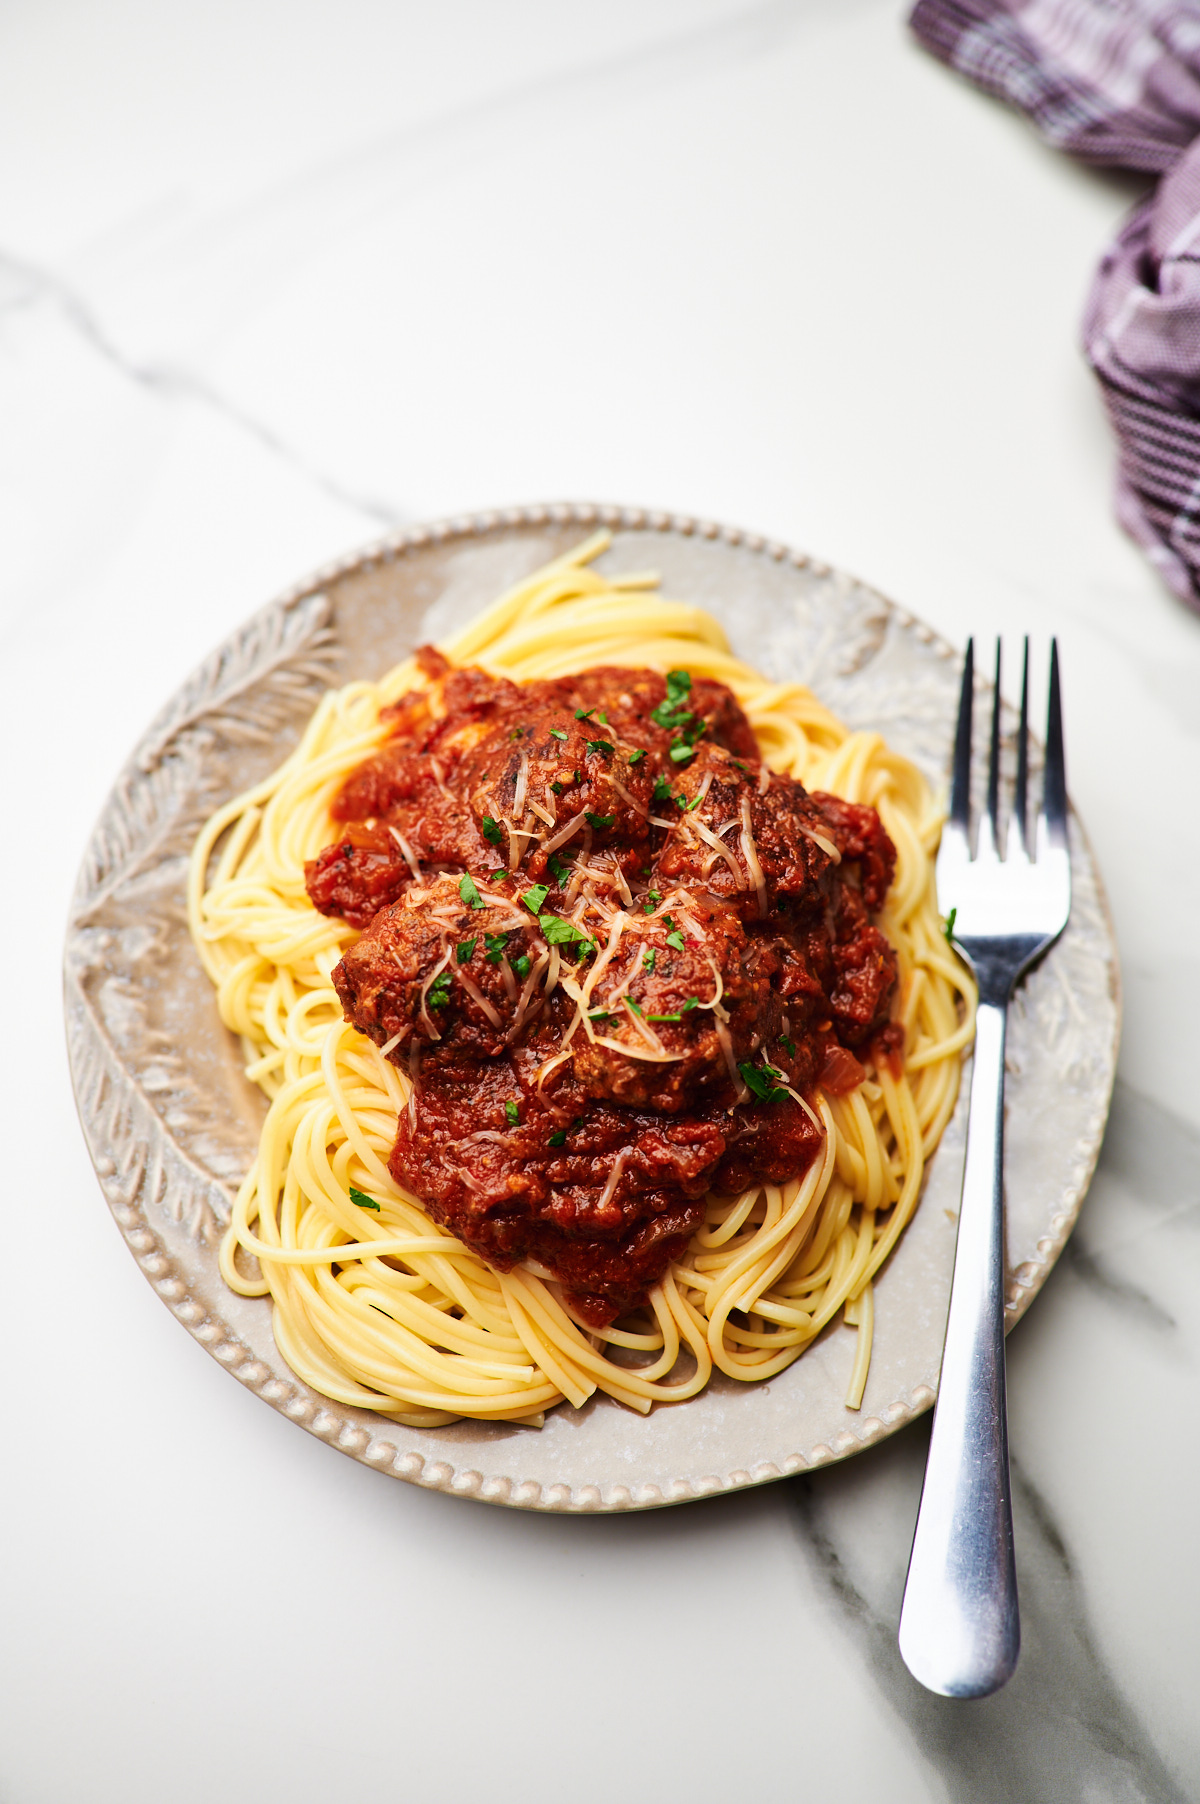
x=172 y=1123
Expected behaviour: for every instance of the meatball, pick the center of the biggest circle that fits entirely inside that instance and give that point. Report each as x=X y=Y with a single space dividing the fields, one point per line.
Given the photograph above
x=527 y=782
x=435 y=967
x=688 y=992
x=764 y=847
x=632 y=698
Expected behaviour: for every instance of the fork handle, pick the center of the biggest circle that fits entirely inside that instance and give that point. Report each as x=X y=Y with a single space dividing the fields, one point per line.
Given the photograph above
x=960 y=1632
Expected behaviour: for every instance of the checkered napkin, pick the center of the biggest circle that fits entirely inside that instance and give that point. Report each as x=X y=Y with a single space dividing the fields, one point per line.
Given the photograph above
x=1117 y=82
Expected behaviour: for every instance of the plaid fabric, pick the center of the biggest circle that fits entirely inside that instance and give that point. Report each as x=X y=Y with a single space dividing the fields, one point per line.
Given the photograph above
x=1117 y=82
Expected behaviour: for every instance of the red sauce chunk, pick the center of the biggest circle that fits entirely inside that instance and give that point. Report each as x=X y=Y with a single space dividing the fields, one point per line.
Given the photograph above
x=613 y=950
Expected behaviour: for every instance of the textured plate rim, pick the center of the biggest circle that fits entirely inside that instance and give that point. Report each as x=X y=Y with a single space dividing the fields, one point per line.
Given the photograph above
x=288 y=1395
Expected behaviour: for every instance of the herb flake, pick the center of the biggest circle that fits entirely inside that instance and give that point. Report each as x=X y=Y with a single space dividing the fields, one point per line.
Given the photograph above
x=465 y=948
x=364 y=1202
x=469 y=892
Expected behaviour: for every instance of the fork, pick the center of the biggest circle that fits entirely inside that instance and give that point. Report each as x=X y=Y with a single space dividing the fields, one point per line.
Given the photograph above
x=960 y=1630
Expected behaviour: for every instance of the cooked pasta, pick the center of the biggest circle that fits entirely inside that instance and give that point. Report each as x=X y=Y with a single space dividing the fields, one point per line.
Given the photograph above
x=375 y=1305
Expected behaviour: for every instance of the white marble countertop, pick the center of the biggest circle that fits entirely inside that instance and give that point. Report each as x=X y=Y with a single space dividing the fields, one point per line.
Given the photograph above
x=274 y=277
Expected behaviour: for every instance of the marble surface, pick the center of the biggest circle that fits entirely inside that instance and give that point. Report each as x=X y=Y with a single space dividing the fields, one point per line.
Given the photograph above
x=275 y=277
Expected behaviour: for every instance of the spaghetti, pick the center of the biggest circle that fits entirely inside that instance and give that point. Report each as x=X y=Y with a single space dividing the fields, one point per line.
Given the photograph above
x=377 y=1306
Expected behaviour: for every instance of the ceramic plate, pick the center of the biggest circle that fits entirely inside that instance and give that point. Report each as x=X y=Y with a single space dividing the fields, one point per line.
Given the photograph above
x=171 y=1122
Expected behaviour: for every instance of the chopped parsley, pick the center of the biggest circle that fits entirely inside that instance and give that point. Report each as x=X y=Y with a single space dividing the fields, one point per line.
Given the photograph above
x=469 y=893
x=636 y=757
x=557 y=733
x=599 y=821
x=495 y=943
x=439 y=990
x=670 y=713
x=648 y=959
x=559 y=870
x=584 y=713
x=652 y=896
x=559 y=1138
x=605 y=747
x=465 y=948
x=534 y=898
x=948 y=929
x=512 y=1114
x=762 y=1082
x=521 y=966
x=789 y=1044
x=557 y=788
x=681 y=752
x=492 y=831
x=691 y=1003
x=662 y=790
x=675 y=939
x=364 y=1202
x=635 y=1006
x=562 y=933
x=688 y=806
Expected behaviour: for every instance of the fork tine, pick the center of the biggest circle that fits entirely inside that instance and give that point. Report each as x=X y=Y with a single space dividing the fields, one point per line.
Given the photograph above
x=991 y=826
x=1054 y=787
x=1019 y=825
x=960 y=787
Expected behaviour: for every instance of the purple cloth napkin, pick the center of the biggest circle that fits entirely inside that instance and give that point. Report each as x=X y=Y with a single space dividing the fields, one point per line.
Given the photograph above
x=1117 y=82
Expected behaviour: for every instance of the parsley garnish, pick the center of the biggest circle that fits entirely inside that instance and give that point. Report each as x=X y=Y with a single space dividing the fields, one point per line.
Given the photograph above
x=465 y=948
x=762 y=1082
x=688 y=806
x=492 y=832
x=469 y=893
x=495 y=943
x=675 y=939
x=691 y=1003
x=790 y=1044
x=636 y=757
x=662 y=790
x=521 y=966
x=648 y=959
x=680 y=753
x=557 y=788
x=603 y=746
x=602 y=717
x=364 y=1202
x=652 y=896
x=534 y=898
x=439 y=990
x=635 y=1006
x=562 y=933
x=512 y=1114
x=557 y=733
x=558 y=1138
x=584 y=713
x=669 y=713
x=599 y=821
x=560 y=870
x=948 y=929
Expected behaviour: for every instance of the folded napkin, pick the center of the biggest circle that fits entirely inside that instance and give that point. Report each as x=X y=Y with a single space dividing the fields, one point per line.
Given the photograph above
x=1117 y=82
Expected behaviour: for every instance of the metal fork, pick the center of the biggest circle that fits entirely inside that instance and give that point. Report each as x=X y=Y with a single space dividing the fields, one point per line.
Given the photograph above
x=960 y=1631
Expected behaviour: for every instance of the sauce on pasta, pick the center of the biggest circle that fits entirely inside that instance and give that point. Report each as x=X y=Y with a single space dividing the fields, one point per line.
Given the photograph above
x=613 y=950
